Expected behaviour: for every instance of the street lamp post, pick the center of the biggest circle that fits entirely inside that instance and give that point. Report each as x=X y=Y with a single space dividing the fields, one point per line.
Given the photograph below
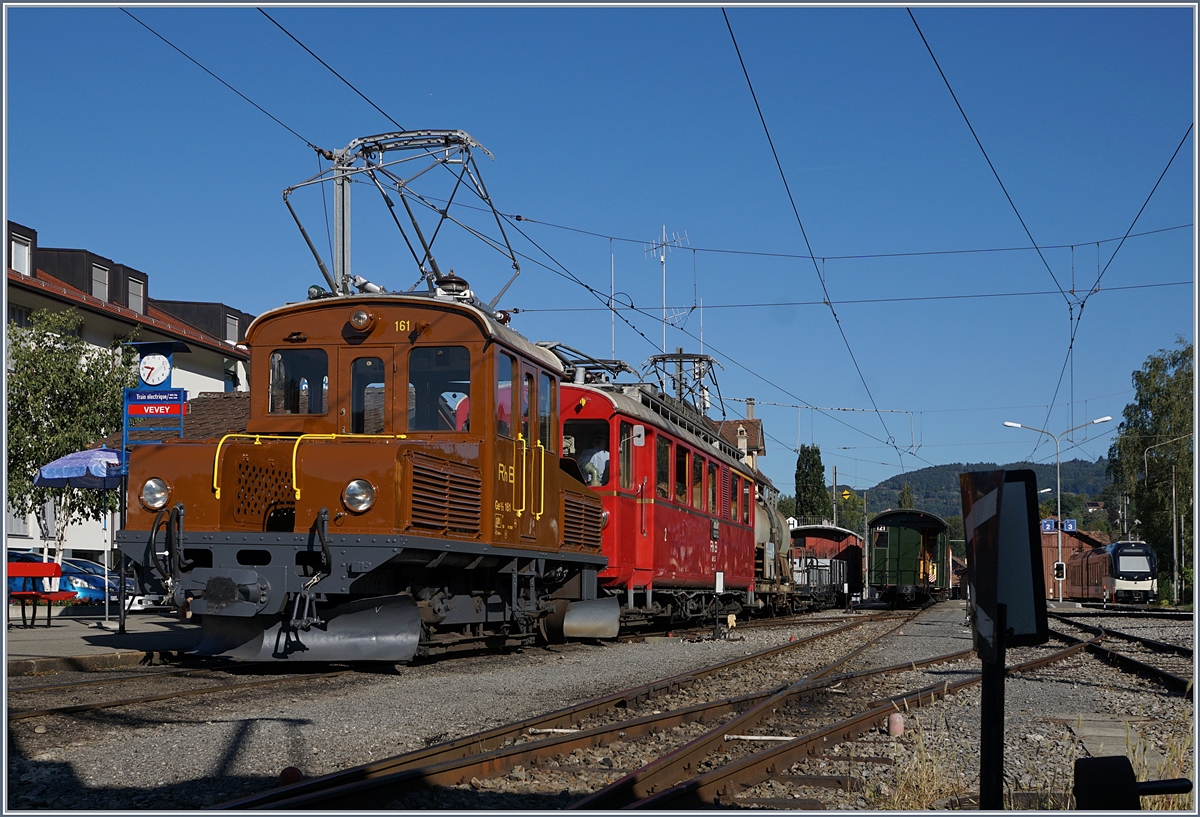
x=1058 y=476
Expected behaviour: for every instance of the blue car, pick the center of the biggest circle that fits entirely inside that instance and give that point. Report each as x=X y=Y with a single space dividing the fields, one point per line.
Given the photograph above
x=89 y=588
x=97 y=570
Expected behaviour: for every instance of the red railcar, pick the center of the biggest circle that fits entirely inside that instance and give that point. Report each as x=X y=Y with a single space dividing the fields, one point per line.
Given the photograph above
x=680 y=501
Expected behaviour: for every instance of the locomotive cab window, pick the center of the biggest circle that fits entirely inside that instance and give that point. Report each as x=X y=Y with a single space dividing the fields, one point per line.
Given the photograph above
x=698 y=482
x=506 y=366
x=712 y=487
x=586 y=441
x=367 y=406
x=734 y=490
x=439 y=388
x=299 y=382
x=547 y=403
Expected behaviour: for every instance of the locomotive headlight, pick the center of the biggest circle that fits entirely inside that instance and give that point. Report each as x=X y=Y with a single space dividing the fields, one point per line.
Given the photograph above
x=362 y=320
x=154 y=493
x=603 y=520
x=359 y=496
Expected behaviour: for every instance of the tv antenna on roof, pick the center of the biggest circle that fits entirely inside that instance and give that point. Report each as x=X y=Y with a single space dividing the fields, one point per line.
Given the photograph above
x=662 y=247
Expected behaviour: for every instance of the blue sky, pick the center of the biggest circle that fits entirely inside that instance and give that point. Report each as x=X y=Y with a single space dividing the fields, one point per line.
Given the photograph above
x=617 y=122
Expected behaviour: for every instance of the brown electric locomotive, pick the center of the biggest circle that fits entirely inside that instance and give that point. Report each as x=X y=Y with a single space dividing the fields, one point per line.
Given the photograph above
x=397 y=491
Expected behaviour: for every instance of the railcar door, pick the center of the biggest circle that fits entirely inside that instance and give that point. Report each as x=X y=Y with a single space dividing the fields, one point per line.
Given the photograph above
x=535 y=450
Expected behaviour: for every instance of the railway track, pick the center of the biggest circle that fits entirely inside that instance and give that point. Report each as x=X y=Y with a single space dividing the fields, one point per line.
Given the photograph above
x=1167 y=663
x=717 y=752
x=664 y=712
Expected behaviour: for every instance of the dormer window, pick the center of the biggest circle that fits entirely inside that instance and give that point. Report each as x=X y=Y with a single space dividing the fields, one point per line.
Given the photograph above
x=137 y=292
x=18 y=253
x=100 y=282
x=231 y=328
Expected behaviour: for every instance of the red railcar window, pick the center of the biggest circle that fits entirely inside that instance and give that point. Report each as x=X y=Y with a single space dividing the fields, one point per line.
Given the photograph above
x=747 y=498
x=681 y=474
x=588 y=445
x=712 y=488
x=734 y=490
x=662 y=468
x=698 y=483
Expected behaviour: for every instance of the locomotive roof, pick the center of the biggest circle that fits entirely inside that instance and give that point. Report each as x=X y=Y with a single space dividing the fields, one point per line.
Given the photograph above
x=628 y=399
x=491 y=328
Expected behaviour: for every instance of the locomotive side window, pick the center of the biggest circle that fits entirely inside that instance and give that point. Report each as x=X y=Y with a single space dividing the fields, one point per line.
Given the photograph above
x=367 y=408
x=681 y=474
x=747 y=498
x=439 y=384
x=526 y=395
x=588 y=441
x=734 y=490
x=299 y=381
x=546 y=401
x=662 y=467
x=625 y=452
x=698 y=483
x=506 y=366
x=712 y=488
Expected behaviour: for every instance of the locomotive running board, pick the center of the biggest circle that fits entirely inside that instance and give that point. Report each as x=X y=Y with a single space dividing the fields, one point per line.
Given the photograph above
x=597 y=618
x=386 y=628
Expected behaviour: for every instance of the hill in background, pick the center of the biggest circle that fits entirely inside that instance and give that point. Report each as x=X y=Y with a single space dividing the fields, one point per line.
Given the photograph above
x=936 y=490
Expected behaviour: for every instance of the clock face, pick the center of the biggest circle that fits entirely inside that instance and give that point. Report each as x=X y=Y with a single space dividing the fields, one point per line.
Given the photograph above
x=154 y=369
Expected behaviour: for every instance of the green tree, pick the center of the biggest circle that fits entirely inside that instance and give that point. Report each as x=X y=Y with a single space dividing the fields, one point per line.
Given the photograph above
x=64 y=394
x=787 y=505
x=850 y=511
x=812 y=499
x=1156 y=431
x=906 y=497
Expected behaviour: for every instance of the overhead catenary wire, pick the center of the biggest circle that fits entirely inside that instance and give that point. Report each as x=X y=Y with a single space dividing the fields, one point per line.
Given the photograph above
x=195 y=62
x=1096 y=287
x=796 y=213
x=987 y=158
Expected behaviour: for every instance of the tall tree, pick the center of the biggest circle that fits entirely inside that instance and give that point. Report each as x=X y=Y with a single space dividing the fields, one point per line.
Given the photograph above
x=812 y=499
x=906 y=497
x=1155 y=435
x=850 y=512
x=64 y=394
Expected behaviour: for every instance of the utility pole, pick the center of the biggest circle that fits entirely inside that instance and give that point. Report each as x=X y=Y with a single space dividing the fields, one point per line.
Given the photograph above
x=835 y=496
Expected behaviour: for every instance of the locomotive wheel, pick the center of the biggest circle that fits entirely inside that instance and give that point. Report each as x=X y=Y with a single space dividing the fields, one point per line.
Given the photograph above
x=551 y=625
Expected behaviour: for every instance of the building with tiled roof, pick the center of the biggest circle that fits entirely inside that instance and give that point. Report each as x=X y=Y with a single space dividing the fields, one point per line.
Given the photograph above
x=745 y=434
x=115 y=299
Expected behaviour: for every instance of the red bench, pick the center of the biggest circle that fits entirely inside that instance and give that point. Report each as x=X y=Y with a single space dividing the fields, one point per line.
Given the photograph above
x=33 y=573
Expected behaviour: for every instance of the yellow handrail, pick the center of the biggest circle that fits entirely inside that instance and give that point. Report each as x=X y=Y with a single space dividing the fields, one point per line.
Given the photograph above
x=217 y=456
x=295 y=450
x=542 y=485
x=524 y=472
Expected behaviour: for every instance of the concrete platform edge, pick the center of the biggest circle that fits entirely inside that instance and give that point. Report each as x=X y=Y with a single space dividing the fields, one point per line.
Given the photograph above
x=89 y=663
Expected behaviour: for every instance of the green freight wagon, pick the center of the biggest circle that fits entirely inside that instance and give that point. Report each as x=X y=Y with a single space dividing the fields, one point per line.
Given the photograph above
x=909 y=557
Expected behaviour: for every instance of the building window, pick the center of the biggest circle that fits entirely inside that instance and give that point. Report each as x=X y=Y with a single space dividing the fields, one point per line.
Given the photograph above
x=15 y=524
x=231 y=328
x=18 y=315
x=137 y=290
x=232 y=381
x=100 y=282
x=18 y=257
